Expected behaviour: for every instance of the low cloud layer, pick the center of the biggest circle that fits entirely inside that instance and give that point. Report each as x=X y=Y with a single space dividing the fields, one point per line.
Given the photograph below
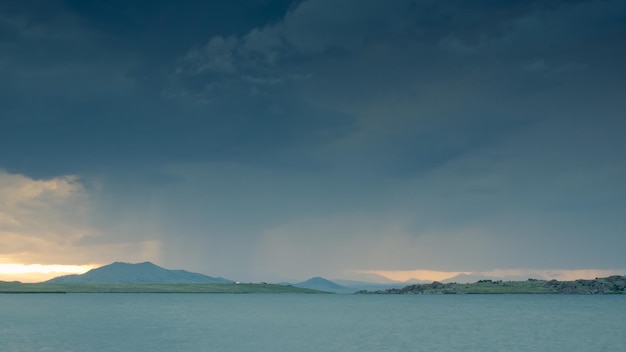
x=50 y=222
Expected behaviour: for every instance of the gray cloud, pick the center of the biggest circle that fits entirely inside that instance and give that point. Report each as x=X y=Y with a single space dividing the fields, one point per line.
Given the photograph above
x=375 y=135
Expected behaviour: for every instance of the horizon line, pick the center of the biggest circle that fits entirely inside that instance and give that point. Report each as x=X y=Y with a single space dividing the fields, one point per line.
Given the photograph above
x=32 y=273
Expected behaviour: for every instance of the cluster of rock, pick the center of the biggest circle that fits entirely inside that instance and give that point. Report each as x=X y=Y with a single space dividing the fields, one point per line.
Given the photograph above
x=435 y=287
x=608 y=285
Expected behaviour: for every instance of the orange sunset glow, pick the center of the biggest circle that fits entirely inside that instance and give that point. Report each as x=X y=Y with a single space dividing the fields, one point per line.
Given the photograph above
x=38 y=272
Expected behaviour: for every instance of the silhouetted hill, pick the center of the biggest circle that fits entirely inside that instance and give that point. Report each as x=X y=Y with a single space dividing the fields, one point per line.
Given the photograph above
x=321 y=284
x=355 y=286
x=141 y=273
x=348 y=286
x=466 y=278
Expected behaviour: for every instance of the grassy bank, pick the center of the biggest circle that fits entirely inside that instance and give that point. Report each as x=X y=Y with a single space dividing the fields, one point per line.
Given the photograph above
x=15 y=287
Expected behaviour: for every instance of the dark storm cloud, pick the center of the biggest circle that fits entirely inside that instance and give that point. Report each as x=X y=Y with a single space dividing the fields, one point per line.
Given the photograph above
x=485 y=60
x=381 y=134
x=119 y=79
x=96 y=76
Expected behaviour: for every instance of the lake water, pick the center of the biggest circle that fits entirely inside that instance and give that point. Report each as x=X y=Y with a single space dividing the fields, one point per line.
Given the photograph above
x=300 y=322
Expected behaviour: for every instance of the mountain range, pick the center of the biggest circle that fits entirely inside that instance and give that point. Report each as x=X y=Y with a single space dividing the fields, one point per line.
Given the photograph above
x=145 y=273
x=149 y=273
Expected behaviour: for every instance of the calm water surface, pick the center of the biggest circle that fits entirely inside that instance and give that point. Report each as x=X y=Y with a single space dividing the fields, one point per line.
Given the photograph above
x=299 y=322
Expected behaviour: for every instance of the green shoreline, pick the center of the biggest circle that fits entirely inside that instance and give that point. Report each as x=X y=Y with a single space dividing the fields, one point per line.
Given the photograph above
x=49 y=288
x=598 y=286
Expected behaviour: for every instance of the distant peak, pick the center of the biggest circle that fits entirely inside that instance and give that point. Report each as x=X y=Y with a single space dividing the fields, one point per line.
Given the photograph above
x=144 y=272
x=320 y=283
x=125 y=263
x=316 y=278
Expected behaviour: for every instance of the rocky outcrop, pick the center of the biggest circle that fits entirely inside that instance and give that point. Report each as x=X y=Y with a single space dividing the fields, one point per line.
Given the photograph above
x=598 y=286
x=609 y=285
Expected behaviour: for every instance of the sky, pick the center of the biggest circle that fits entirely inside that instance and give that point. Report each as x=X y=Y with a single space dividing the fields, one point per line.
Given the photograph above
x=280 y=140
